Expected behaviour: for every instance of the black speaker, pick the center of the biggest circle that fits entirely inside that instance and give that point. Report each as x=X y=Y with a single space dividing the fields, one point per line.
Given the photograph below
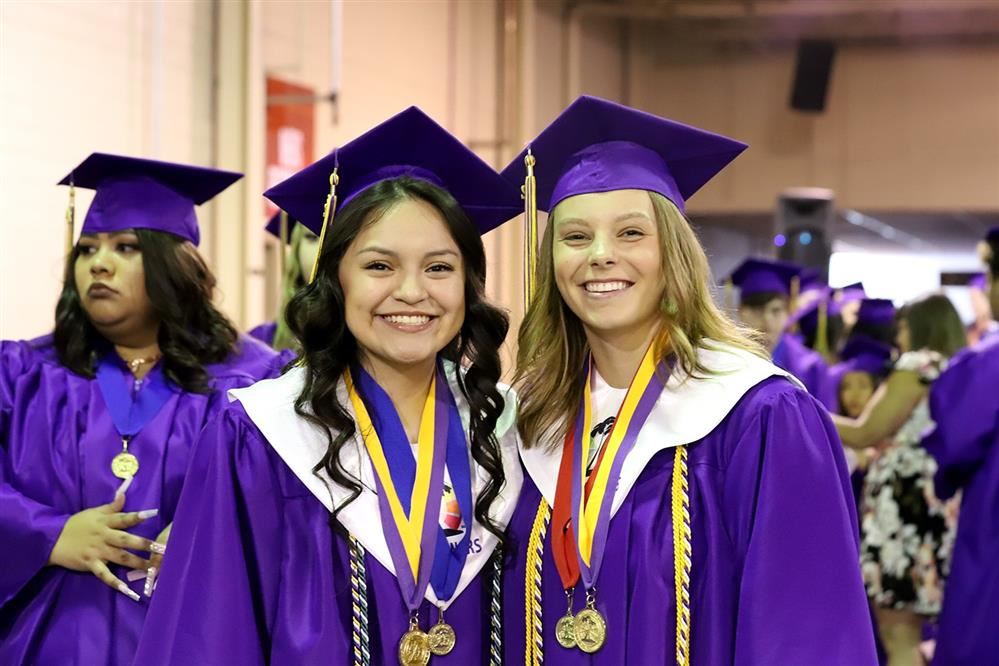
x=804 y=227
x=811 y=75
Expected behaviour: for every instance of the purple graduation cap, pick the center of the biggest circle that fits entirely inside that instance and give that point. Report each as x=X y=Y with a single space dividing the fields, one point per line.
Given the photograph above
x=764 y=276
x=274 y=226
x=136 y=193
x=407 y=144
x=807 y=317
x=876 y=312
x=851 y=292
x=862 y=354
x=599 y=146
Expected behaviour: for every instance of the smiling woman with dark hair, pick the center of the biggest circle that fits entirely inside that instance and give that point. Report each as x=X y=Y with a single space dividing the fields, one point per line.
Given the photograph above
x=111 y=401
x=353 y=510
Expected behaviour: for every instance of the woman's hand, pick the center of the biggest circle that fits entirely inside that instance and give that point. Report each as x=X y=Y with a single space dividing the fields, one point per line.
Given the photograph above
x=93 y=537
x=158 y=549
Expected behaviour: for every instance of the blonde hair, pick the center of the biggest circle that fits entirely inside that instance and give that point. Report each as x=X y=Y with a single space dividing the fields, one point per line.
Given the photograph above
x=292 y=280
x=553 y=345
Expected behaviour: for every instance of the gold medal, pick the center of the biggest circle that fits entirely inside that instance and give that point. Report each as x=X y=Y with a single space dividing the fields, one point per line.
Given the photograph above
x=414 y=647
x=565 y=631
x=442 y=638
x=590 y=630
x=124 y=465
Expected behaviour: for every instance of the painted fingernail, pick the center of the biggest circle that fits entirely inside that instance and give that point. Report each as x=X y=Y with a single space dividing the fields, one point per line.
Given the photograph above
x=148 y=513
x=128 y=592
x=157 y=547
x=150 y=579
x=135 y=574
x=124 y=486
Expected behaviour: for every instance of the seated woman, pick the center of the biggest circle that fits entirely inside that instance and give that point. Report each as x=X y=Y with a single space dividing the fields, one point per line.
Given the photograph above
x=300 y=257
x=687 y=501
x=906 y=532
x=113 y=399
x=352 y=511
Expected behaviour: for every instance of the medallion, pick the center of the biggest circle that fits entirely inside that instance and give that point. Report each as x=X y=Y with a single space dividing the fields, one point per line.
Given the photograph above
x=414 y=648
x=565 y=631
x=442 y=638
x=590 y=630
x=124 y=465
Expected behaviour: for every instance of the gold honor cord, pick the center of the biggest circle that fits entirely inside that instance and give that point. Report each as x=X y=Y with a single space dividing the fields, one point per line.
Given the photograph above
x=328 y=211
x=283 y=237
x=682 y=554
x=682 y=565
x=70 y=217
x=534 y=654
x=531 y=232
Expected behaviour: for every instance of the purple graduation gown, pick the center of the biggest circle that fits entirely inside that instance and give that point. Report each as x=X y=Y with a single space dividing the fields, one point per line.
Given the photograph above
x=56 y=443
x=964 y=403
x=775 y=577
x=264 y=332
x=808 y=366
x=255 y=575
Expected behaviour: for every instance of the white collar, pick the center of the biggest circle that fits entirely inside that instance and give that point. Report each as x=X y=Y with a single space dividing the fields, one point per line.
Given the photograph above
x=270 y=404
x=686 y=412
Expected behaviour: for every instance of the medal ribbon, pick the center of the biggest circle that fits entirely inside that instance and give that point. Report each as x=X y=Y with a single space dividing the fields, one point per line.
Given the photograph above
x=582 y=507
x=409 y=490
x=131 y=410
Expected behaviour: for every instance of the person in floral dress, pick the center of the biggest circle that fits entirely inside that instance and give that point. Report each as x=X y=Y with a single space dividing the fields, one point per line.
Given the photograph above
x=907 y=534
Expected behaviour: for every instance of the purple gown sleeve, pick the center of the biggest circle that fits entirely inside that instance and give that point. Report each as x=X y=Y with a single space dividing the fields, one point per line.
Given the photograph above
x=965 y=408
x=788 y=493
x=29 y=528
x=215 y=599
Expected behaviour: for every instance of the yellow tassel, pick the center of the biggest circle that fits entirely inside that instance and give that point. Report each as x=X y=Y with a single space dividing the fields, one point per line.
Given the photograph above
x=70 y=217
x=792 y=303
x=728 y=298
x=822 y=333
x=283 y=236
x=328 y=211
x=531 y=233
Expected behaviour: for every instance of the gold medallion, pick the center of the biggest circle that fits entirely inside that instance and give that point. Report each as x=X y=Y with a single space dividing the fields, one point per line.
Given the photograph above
x=414 y=648
x=442 y=638
x=565 y=631
x=124 y=465
x=590 y=630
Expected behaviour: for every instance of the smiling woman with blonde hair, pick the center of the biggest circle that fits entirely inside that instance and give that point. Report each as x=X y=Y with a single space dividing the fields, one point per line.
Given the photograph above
x=687 y=501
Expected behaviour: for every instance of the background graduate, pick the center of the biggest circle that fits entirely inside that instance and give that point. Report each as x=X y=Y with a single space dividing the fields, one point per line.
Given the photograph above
x=297 y=261
x=138 y=360
x=964 y=403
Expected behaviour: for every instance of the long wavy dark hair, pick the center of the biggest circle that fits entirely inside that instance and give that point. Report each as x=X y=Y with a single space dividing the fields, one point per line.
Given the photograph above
x=192 y=334
x=316 y=317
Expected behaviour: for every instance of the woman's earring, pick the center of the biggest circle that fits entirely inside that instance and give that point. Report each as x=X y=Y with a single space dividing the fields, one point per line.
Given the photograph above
x=671 y=307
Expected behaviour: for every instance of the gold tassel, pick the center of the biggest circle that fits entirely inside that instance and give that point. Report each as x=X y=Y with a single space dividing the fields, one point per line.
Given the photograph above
x=531 y=233
x=822 y=334
x=792 y=303
x=283 y=236
x=727 y=297
x=328 y=211
x=70 y=217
